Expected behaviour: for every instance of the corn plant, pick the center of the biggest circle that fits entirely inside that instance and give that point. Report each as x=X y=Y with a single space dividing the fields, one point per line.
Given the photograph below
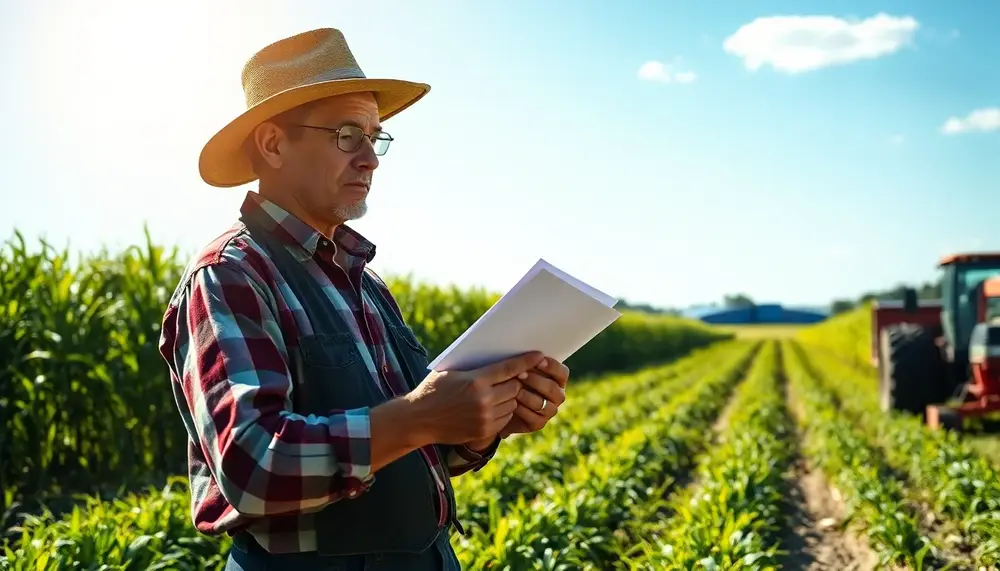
x=847 y=335
x=732 y=517
x=148 y=531
x=84 y=396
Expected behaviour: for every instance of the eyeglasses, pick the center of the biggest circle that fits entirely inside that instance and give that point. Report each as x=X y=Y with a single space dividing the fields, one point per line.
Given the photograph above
x=350 y=137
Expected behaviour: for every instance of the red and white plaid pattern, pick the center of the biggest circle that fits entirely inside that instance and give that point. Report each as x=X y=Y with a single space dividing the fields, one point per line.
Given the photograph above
x=252 y=463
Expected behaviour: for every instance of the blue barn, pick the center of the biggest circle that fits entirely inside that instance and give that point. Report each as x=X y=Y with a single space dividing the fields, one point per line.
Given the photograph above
x=771 y=313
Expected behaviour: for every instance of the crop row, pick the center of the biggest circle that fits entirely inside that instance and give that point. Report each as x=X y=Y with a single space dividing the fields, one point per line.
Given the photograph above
x=732 y=516
x=168 y=505
x=847 y=335
x=959 y=484
x=528 y=470
x=573 y=523
x=589 y=398
x=874 y=498
x=154 y=531
x=85 y=401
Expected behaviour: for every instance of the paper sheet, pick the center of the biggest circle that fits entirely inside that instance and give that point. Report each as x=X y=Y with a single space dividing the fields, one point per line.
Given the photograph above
x=547 y=310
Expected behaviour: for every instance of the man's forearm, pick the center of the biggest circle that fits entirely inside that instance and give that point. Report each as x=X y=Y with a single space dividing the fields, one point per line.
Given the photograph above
x=396 y=431
x=258 y=464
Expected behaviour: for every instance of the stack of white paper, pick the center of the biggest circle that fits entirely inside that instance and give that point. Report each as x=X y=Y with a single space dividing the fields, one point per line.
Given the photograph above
x=547 y=310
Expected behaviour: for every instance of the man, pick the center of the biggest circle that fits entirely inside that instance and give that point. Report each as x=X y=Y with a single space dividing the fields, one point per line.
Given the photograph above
x=317 y=438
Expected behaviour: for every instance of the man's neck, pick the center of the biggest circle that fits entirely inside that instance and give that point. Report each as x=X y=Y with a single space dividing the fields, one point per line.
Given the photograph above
x=295 y=208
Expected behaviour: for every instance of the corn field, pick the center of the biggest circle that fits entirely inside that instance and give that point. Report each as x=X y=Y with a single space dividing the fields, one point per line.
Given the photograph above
x=85 y=402
x=719 y=453
x=726 y=458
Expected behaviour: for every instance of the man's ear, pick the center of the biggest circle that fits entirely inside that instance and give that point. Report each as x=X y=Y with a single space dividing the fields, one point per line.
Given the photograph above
x=269 y=143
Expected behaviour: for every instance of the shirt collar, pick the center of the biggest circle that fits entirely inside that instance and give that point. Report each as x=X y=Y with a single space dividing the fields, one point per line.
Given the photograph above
x=301 y=239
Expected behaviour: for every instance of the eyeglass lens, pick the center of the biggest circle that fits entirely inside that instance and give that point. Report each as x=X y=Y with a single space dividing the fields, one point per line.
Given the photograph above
x=351 y=137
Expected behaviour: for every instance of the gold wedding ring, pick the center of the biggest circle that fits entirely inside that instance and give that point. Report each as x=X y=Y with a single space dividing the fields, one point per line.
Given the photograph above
x=545 y=403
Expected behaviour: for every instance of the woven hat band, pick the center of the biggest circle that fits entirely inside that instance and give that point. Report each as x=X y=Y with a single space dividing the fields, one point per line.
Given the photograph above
x=310 y=57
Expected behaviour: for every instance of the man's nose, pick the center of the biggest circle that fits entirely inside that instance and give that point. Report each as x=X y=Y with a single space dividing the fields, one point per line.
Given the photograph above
x=366 y=157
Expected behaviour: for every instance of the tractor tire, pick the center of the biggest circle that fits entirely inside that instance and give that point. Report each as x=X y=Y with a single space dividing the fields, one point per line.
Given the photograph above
x=910 y=369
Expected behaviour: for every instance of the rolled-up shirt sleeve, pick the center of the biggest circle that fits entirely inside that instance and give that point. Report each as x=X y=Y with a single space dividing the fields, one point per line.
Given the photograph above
x=462 y=459
x=232 y=366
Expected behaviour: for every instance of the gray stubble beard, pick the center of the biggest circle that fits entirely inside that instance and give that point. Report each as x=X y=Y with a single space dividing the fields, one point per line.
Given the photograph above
x=353 y=211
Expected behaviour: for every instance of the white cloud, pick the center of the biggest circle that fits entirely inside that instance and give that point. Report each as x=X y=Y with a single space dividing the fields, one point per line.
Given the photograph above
x=685 y=77
x=897 y=140
x=986 y=119
x=664 y=73
x=795 y=44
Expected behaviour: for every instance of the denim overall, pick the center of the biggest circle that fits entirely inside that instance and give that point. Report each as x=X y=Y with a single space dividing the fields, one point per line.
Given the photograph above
x=394 y=524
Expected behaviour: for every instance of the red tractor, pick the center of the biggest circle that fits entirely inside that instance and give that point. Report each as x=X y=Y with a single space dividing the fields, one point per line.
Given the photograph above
x=929 y=352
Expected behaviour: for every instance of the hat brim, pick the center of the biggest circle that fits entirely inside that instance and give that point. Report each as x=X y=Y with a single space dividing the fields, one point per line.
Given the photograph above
x=223 y=163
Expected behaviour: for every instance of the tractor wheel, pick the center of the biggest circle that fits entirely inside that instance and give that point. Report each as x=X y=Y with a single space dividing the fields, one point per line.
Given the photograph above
x=910 y=368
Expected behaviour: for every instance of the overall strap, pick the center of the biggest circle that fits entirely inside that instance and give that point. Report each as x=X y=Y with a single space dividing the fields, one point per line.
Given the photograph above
x=310 y=293
x=299 y=279
x=393 y=322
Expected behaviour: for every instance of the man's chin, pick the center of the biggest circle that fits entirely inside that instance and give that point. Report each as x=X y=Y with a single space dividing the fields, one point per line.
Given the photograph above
x=352 y=211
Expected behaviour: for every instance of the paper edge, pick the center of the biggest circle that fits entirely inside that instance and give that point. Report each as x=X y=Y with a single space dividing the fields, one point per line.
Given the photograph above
x=579 y=284
x=540 y=265
x=525 y=278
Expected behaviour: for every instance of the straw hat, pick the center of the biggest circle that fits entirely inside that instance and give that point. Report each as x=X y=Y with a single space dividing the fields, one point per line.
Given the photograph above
x=288 y=73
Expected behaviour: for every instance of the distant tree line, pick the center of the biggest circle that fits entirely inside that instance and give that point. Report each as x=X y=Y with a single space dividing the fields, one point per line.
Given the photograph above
x=926 y=290
x=729 y=301
x=624 y=304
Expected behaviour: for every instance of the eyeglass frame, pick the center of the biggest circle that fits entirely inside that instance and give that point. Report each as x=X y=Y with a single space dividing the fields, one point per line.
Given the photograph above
x=371 y=138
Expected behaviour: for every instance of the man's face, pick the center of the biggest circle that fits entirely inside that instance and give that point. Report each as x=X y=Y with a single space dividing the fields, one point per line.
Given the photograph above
x=330 y=185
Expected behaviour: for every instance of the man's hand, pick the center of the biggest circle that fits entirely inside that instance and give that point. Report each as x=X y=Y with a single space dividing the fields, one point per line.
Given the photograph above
x=543 y=392
x=456 y=407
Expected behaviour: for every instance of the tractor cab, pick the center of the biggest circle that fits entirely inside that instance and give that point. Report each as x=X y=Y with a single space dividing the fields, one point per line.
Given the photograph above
x=970 y=294
x=927 y=352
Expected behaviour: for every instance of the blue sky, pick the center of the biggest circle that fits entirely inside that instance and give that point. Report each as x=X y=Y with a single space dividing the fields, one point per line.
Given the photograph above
x=541 y=137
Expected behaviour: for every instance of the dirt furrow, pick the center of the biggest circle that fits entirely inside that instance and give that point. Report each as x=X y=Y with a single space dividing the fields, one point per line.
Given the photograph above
x=815 y=541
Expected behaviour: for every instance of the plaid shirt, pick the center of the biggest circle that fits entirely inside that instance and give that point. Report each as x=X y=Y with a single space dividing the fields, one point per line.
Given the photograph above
x=226 y=334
